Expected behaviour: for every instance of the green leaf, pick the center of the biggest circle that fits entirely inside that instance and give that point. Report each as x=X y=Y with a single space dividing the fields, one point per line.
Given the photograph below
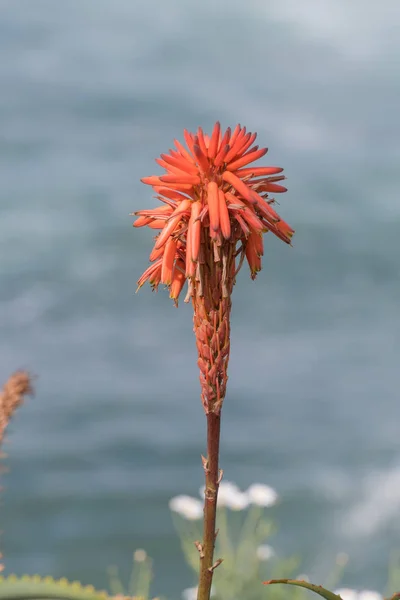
x=38 y=588
x=318 y=589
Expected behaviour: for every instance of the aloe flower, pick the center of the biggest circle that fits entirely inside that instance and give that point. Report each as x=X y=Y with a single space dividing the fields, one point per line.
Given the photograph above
x=215 y=209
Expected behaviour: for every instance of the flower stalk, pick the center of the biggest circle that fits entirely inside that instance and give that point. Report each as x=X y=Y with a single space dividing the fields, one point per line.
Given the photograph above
x=213 y=477
x=216 y=209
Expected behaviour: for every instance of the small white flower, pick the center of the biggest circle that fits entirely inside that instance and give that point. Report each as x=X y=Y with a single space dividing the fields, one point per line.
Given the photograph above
x=237 y=502
x=186 y=506
x=231 y=496
x=262 y=495
x=349 y=594
x=342 y=559
x=189 y=593
x=369 y=595
x=139 y=555
x=265 y=552
x=227 y=489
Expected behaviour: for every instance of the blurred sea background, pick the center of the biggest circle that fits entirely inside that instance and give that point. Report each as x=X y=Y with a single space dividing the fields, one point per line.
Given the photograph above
x=91 y=93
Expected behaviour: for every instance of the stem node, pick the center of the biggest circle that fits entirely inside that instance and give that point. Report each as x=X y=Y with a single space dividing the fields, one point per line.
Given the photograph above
x=216 y=564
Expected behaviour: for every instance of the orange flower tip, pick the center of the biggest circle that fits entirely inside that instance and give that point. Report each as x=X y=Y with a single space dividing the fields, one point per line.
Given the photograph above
x=250 y=156
x=156 y=224
x=152 y=180
x=214 y=141
x=258 y=171
x=273 y=187
x=193 y=179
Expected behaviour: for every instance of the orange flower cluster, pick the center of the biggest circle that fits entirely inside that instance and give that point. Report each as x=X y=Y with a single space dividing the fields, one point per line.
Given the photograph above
x=210 y=189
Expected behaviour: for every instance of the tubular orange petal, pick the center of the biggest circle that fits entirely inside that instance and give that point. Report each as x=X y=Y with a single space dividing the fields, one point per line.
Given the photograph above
x=242 y=223
x=252 y=256
x=225 y=140
x=246 y=159
x=236 y=145
x=234 y=201
x=155 y=212
x=202 y=144
x=180 y=210
x=251 y=218
x=149 y=272
x=245 y=143
x=168 y=201
x=224 y=218
x=266 y=210
x=213 y=206
x=189 y=139
x=162 y=164
x=239 y=186
x=180 y=163
x=201 y=158
x=249 y=142
x=273 y=187
x=183 y=151
x=153 y=180
x=172 y=223
x=195 y=231
x=258 y=242
x=235 y=133
x=284 y=228
x=220 y=158
x=171 y=169
x=156 y=224
x=156 y=253
x=178 y=281
x=285 y=238
x=155 y=279
x=184 y=178
x=213 y=146
x=183 y=187
x=258 y=171
x=168 y=261
x=267 y=180
x=172 y=194
x=141 y=221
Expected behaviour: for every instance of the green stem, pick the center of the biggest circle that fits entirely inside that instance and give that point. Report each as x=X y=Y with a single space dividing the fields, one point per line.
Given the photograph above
x=211 y=470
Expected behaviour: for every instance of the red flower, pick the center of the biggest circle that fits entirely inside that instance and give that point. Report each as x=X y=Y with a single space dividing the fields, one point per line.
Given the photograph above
x=210 y=190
